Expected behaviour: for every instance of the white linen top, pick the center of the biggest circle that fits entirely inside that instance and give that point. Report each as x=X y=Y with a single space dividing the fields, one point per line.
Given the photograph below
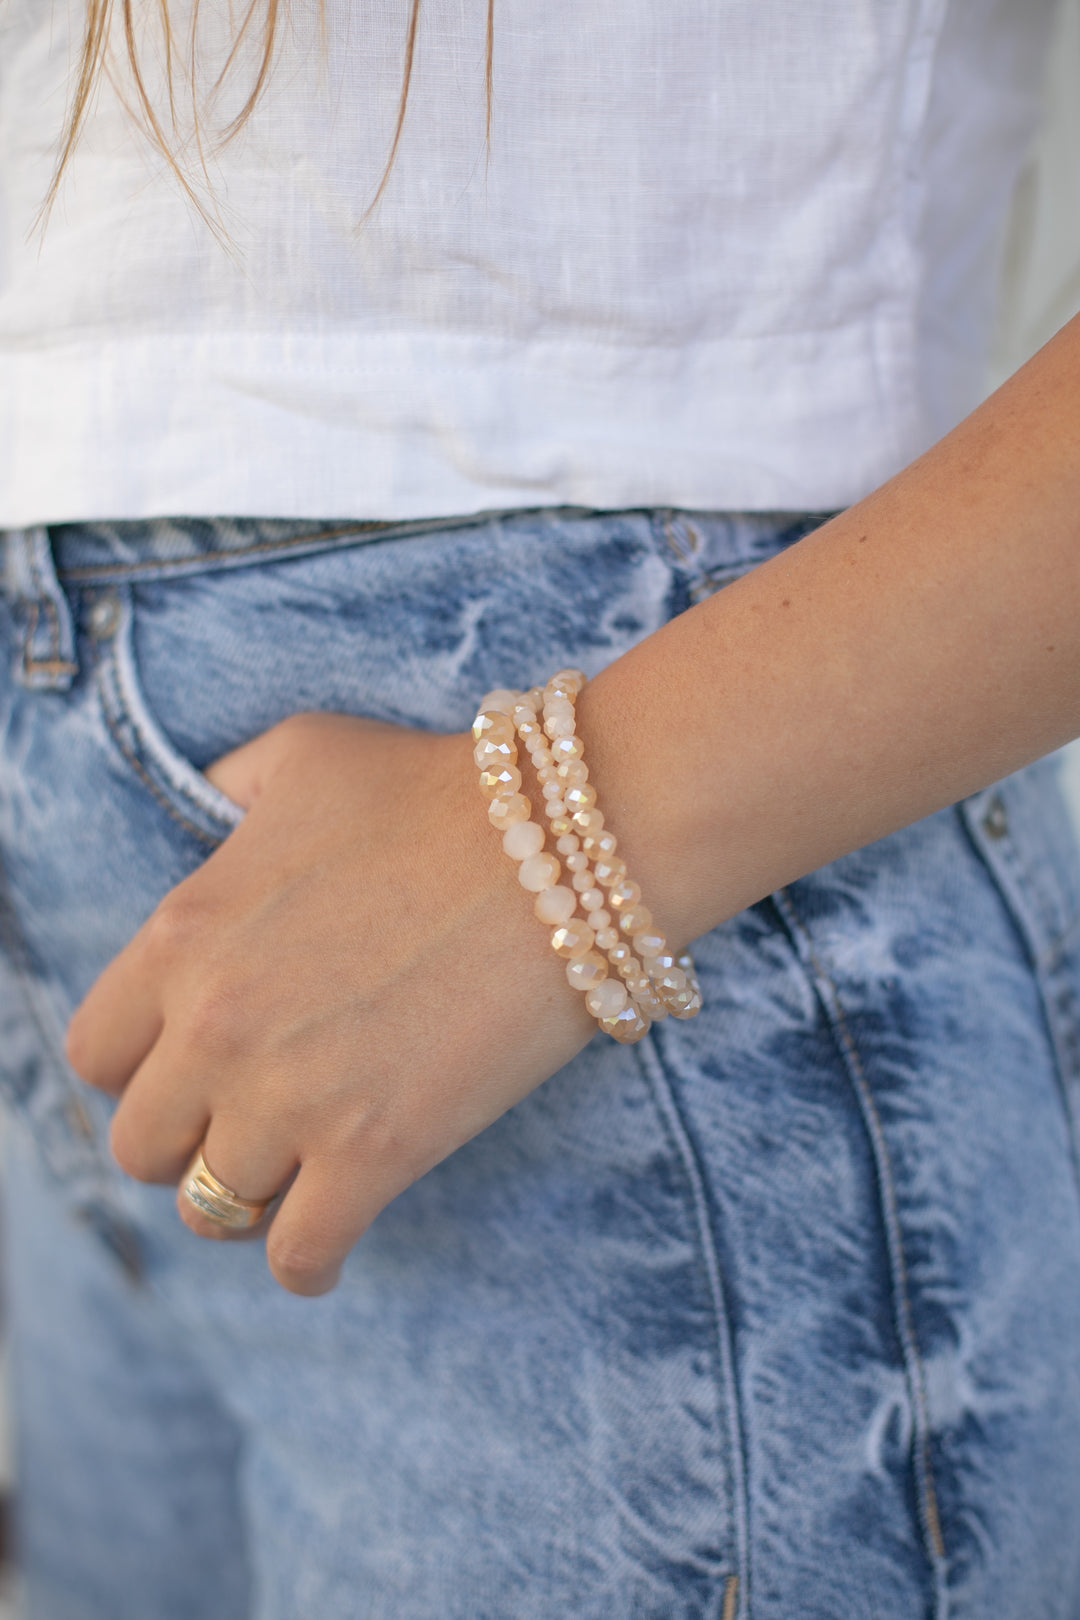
x=720 y=254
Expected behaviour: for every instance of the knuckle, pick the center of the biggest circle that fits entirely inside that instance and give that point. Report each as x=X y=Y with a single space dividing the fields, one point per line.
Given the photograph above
x=213 y=1016
x=130 y=1153
x=175 y=925
x=299 y=1264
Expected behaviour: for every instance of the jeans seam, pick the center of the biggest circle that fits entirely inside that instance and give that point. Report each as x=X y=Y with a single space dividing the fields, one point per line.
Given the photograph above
x=903 y=1316
x=136 y=764
x=122 y=570
x=735 y=1596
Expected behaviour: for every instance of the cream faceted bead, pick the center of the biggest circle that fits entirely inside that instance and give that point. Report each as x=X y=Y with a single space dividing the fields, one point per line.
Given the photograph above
x=687 y=1004
x=624 y=894
x=501 y=701
x=592 y=899
x=598 y=917
x=607 y=939
x=492 y=727
x=670 y=983
x=585 y=971
x=607 y=998
x=568 y=680
x=489 y=752
x=499 y=781
x=552 y=791
x=564 y=748
x=561 y=826
x=626 y=1026
x=573 y=772
x=523 y=839
x=549 y=773
x=618 y=955
x=539 y=872
x=568 y=845
x=572 y=939
x=649 y=943
x=582 y=797
x=588 y=821
x=609 y=869
x=578 y=861
x=582 y=880
x=598 y=846
x=635 y=920
x=554 y=809
x=503 y=813
x=559 y=725
x=555 y=906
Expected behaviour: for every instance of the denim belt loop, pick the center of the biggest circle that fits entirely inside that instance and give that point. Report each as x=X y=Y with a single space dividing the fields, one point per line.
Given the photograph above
x=47 y=660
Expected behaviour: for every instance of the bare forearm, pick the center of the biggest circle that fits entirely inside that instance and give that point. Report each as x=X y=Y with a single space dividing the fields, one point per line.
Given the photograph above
x=916 y=648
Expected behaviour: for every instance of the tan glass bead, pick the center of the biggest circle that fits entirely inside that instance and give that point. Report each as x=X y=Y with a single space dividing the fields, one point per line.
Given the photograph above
x=555 y=906
x=582 y=880
x=568 y=680
x=598 y=846
x=557 y=703
x=637 y=983
x=526 y=722
x=599 y=918
x=627 y=1026
x=503 y=813
x=648 y=943
x=539 y=872
x=591 y=899
x=607 y=939
x=607 y=998
x=688 y=1004
x=635 y=920
x=568 y=845
x=549 y=773
x=650 y=1005
x=561 y=826
x=670 y=983
x=609 y=869
x=564 y=748
x=501 y=701
x=572 y=939
x=499 y=781
x=578 y=861
x=559 y=725
x=580 y=798
x=489 y=753
x=585 y=971
x=523 y=839
x=552 y=791
x=554 y=809
x=573 y=772
x=619 y=955
x=624 y=894
x=587 y=821
x=661 y=962
x=492 y=727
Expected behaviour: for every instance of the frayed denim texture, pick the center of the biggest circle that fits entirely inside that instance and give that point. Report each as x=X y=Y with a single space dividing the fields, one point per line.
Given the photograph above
x=776 y=1315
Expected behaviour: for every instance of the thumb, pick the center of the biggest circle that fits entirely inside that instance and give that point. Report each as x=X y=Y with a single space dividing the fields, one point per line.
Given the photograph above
x=243 y=773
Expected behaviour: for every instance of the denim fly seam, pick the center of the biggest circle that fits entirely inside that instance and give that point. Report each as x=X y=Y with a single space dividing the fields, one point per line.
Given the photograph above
x=828 y=993
x=737 y=1593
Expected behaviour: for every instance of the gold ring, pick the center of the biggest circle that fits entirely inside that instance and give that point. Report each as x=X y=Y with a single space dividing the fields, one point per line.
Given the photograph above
x=217 y=1202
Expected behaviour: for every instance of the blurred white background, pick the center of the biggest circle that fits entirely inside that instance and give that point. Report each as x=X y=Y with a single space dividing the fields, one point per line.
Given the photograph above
x=1040 y=292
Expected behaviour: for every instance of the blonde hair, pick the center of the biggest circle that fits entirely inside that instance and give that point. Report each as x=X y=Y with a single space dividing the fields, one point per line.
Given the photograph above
x=92 y=66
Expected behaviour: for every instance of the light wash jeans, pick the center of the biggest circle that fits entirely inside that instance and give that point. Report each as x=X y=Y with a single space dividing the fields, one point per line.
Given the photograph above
x=776 y=1315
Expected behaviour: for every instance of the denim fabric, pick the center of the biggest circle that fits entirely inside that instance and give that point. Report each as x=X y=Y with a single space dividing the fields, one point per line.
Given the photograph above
x=776 y=1315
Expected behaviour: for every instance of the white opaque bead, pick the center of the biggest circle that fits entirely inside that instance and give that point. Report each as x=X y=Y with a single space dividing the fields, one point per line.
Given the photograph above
x=599 y=918
x=501 y=701
x=525 y=838
x=557 y=703
x=568 y=844
x=549 y=773
x=555 y=809
x=607 y=998
x=538 y=872
x=555 y=906
x=592 y=899
x=607 y=939
x=552 y=791
x=578 y=861
x=582 y=880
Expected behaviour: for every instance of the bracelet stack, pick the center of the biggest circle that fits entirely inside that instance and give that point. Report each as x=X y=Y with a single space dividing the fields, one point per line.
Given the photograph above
x=616 y=935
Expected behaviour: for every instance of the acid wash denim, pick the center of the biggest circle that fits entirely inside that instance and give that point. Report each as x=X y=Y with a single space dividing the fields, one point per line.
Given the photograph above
x=775 y=1315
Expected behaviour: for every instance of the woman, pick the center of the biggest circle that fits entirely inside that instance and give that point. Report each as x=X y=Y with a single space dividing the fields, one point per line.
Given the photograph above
x=773 y=1313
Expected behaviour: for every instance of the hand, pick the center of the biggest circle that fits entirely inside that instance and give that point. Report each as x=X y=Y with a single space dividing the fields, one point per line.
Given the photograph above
x=351 y=987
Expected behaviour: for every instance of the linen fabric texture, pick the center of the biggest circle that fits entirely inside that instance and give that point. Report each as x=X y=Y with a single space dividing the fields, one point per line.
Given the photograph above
x=774 y=1315
x=761 y=236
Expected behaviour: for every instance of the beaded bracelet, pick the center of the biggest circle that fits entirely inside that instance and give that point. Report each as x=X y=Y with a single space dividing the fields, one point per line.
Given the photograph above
x=654 y=983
